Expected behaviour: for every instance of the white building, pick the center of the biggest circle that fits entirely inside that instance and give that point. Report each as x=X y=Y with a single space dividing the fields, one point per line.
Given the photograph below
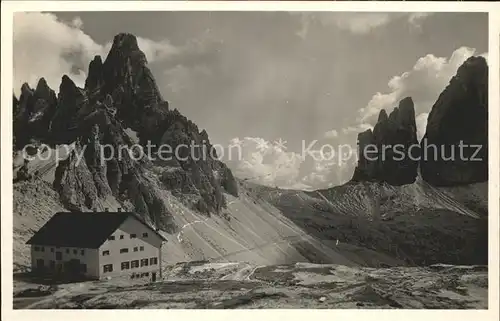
x=97 y=245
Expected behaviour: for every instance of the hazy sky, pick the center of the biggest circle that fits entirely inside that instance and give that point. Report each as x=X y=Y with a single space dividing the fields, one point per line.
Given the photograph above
x=252 y=78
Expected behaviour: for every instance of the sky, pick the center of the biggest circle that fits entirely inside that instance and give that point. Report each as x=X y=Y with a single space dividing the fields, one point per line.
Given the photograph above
x=269 y=83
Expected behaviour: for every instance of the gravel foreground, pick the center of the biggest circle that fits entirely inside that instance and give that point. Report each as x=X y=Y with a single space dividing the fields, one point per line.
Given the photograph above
x=203 y=285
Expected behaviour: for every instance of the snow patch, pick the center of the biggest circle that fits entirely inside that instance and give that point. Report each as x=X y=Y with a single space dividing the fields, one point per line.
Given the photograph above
x=209 y=266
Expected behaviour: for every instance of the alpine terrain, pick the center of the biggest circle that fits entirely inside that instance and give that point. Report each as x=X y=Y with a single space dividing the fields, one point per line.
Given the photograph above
x=406 y=233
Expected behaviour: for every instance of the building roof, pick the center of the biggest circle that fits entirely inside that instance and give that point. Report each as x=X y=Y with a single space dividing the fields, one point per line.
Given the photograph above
x=82 y=229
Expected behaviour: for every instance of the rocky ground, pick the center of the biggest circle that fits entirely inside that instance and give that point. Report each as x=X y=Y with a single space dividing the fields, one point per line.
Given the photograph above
x=201 y=285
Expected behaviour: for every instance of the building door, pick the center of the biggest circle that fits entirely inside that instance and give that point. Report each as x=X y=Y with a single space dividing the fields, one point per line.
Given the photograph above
x=73 y=267
x=39 y=264
x=153 y=276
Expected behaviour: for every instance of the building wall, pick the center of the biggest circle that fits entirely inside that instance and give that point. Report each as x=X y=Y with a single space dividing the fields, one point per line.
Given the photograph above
x=48 y=253
x=151 y=249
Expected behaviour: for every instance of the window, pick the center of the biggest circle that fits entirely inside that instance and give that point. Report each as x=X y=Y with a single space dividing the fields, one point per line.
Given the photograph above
x=75 y=251
x=124 y=250
x=42 y=249
x=144 y=262
x=141 y=248
x=108 y=268
x=153 y=261
x=58 y=256
x=67 y=251
x=82 y=252
x=125 y=265
x=37 y=249
x=121 y=237
x=136 y=249
x=51 y=249
x=135 y=264
x=144 y=234
x=111 y=238
x=104 y=253
x=133 y=236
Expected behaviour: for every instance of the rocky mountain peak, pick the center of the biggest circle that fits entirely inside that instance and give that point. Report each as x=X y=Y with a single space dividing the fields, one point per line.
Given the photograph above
x=125 y=44
x=121 y=94
x=473 y=69
x=42 y=86
x=125 y=76
x=406 y=114
x=459 y=116
x=33 y=112
x=95 y=78
x=26 y=89
x=382 y=116
x=378 y=164
x=67 y=85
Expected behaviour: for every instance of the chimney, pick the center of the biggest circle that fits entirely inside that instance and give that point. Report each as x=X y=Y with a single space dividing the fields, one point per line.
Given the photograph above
x=119 y=209
x=105 y=209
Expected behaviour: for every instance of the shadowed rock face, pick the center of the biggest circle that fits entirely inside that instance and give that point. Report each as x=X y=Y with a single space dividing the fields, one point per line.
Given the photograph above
x=130 y=82
x=121 y=94
x=33 y=112
x=459 y=115
x=71 y=100
x=384 y=153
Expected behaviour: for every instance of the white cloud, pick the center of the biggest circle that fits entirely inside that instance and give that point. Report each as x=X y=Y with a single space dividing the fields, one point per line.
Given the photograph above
x=265 y=163
x=261 y=161
x=357 y=128
x=424 y=82
x=47 y=47
x=157 y=50
x=359 y=22
x=331 y=134
x=421 y=122
x=77 y=23
x=416 y=18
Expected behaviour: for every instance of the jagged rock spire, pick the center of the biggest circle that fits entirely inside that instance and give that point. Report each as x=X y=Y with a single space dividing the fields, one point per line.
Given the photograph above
x=460 y=115
x=380 y=164
x=121 y=93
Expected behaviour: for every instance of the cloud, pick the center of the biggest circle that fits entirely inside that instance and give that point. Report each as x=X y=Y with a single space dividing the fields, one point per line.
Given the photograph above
x=421 y=121
x=157 y=50
x=77 y=23
x=46 y=47
x=263 y=162
x=416 y=18
x=357 y=129
x=424 y=82
x=331 y=134
x=359 y=22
